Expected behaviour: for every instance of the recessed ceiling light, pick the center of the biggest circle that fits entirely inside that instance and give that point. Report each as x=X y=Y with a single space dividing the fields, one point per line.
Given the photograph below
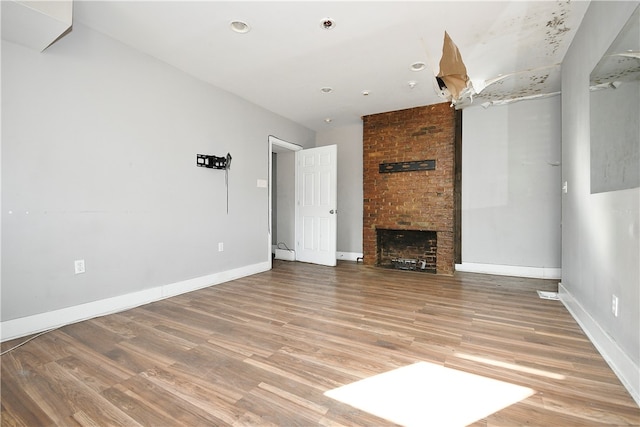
x=328 y=120
x=418 y=66
x=365 y=92
x=326 y=89
x=328 y=24
x=412 y=84
x=240 y=27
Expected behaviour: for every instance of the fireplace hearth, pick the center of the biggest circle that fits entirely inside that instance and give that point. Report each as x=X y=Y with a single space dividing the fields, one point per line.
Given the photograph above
x=413 y=250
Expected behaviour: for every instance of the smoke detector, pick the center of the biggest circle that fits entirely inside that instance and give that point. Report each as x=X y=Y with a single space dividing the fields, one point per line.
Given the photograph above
x=328 y=24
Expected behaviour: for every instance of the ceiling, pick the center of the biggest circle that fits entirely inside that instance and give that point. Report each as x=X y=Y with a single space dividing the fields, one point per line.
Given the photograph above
x=513 y=48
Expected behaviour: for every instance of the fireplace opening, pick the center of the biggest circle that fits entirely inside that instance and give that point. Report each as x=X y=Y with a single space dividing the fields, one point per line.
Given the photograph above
x=413 y=250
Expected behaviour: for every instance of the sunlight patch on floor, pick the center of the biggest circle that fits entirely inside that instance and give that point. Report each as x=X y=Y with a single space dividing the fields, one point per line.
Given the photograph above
x=425 y=394
x=511 y=366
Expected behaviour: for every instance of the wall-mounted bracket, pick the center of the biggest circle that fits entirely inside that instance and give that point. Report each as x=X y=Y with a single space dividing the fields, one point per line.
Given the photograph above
x=213 y=162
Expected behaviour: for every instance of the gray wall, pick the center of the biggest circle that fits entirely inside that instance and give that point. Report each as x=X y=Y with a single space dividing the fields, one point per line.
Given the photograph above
x=600 y=232
x=99 y=145
x=286 y=202
x=511 y=184
x=349 y=142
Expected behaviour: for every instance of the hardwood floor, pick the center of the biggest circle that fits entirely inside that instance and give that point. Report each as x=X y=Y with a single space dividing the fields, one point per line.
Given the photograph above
x=264 y=349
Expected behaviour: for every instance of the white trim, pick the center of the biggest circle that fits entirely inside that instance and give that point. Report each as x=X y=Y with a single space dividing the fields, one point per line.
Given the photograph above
x=511 y=270
x=626 y=370
x=348 y=256
x=343 y=256
x=28 y=325
x=274 y=140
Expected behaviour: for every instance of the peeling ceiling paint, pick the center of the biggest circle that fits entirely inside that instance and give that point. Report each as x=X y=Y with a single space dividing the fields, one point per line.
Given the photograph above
x=525 y=27
x=511 y=49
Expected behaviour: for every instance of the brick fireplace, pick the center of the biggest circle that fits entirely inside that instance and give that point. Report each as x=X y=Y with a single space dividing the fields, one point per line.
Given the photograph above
x=412 y=188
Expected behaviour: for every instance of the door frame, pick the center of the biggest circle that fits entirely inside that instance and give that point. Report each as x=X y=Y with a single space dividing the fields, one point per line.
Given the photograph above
x=275 y=144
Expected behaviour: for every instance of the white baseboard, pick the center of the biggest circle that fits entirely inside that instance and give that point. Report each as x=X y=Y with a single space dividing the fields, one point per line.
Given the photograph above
x=342 y=256
x=511 y=270
x=348 y=256
x=28 y=325
x=625 y=369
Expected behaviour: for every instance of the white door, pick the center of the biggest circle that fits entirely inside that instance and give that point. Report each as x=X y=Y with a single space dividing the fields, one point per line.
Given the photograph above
x=316 y=205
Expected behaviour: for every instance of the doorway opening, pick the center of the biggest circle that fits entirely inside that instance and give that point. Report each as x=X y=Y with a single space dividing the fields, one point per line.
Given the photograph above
x=281 y=228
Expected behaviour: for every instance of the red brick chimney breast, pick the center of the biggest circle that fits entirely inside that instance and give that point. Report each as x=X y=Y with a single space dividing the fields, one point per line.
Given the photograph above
x=410 y=200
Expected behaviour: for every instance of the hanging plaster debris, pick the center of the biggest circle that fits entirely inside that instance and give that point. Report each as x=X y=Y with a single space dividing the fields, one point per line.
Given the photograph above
x=452 y=78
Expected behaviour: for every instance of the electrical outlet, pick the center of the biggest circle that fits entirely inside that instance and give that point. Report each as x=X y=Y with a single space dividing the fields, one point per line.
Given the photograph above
x=614 y=305
x=220 y=247
x=79 y=266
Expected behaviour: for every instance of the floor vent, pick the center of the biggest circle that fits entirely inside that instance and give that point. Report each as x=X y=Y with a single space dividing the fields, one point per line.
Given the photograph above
x=548 y=295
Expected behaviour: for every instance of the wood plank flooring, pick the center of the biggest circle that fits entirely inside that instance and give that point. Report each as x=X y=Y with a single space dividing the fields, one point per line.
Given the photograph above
x=262 y=350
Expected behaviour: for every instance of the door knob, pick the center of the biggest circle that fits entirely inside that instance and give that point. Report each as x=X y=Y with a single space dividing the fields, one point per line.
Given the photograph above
x=332 y=211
